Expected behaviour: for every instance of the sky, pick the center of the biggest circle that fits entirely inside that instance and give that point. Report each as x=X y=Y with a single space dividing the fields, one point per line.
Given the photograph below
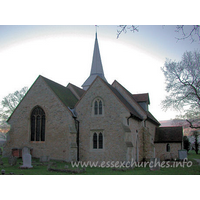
x=64 y=55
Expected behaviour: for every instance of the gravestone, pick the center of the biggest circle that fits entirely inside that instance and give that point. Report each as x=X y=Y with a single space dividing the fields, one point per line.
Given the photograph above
x=0 y=152
x=12 y=160
x=182 y=154
x=154 y=164
x=26 y=157
x=25 y=151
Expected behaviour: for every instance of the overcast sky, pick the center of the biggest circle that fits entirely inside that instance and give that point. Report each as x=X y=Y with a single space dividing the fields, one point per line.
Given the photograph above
x=64 y=54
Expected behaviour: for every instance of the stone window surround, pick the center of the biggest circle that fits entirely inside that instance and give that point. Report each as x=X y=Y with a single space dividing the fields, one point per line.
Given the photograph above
x=39 y=141
x=97 y=131
x=97 y=99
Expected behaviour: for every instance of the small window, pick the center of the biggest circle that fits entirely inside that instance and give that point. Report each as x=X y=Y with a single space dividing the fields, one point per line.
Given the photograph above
x=38 y=124
x=100 y=141
x=98 y=108
x=168 y=148
x=97 y=140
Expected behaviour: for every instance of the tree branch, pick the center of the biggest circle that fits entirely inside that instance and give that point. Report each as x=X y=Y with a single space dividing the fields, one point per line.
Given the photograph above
x=191 y=125
x=194 y=31
x=123 y=28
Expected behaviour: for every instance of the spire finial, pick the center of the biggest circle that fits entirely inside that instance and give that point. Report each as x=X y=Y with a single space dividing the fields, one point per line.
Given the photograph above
x=96 y=30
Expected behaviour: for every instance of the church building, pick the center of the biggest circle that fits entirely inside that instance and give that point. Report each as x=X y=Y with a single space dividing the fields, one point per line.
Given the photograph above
x=98 y=122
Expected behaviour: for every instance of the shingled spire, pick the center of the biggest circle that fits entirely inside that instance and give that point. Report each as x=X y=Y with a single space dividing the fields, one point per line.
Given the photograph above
x=97 y=68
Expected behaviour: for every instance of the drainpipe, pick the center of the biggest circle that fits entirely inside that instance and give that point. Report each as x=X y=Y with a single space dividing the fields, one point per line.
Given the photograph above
x=77 y=136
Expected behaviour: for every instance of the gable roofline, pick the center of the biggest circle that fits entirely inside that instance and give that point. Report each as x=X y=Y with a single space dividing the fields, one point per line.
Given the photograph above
x=120 y=98
x=149 y=116
x=142 y=97
x=47 y=82
x=78 y=92
x=86 y=91
x=130 y=95
x=22 y=99
x=64 y=94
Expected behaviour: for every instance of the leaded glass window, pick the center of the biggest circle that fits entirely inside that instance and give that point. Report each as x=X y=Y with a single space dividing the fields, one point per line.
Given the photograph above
x=38 y=124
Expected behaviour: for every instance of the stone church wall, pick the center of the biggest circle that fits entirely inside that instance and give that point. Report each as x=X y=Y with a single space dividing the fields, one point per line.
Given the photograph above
x=163 y=154
x=110 y=124
x=57 y=130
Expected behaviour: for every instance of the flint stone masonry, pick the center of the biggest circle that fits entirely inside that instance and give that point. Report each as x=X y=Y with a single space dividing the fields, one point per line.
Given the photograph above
x=120 y=142
x=163 y=154
x=58 y=120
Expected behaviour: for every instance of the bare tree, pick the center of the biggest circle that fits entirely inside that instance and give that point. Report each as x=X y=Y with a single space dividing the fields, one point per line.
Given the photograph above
x=125 y=28
x=183 y=86
x=10 y=102
x=192 y=32
x=186 y=31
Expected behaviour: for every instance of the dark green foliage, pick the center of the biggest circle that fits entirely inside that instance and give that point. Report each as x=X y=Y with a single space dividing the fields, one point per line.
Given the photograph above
x=186 y=143
x=196 y=144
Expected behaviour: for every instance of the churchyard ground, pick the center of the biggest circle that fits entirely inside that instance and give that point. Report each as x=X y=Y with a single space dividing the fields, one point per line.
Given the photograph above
x=63 y=168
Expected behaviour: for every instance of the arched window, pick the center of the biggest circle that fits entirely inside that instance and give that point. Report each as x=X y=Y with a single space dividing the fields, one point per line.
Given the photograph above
x=95 y=141
x=100 y=141
x=168 y=148
x=38 y=124
x=98 y=107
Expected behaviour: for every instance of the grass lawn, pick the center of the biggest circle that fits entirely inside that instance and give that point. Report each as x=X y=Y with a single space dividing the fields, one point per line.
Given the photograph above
x=41 y=169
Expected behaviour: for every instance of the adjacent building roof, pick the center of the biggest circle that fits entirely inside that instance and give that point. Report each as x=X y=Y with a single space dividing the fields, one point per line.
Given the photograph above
x=168 y=134
x=78 y=92
x=97 y=68
x=142 y=97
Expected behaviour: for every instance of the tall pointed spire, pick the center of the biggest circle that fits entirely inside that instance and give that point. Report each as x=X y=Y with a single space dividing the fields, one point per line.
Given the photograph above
x=97 y=68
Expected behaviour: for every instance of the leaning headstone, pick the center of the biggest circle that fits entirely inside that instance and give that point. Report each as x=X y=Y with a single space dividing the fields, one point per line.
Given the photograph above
x=26 y=157
x=12 y=160
x=154 y=164
x=182 y=154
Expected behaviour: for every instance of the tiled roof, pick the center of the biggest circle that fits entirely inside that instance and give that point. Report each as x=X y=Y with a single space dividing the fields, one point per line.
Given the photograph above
x=152 y=118
x=124 y=101
x=63 y=93
x=141 y=97
x=168 y=134
x=78 y=90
